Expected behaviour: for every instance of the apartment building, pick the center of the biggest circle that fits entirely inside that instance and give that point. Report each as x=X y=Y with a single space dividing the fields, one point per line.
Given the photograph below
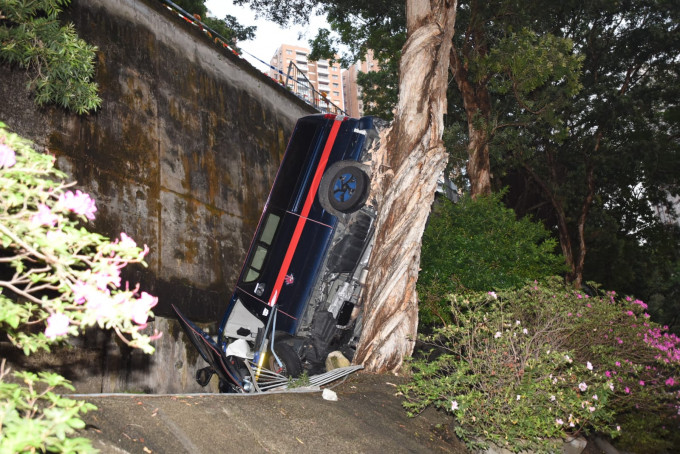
x=352 y=91
x=323 y=76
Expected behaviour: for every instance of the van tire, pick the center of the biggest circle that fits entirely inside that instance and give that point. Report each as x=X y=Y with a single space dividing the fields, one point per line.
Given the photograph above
x=292 y=366
x=344 y=187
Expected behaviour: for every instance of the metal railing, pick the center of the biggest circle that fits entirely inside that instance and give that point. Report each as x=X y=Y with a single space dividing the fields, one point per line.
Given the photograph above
x=295 y=79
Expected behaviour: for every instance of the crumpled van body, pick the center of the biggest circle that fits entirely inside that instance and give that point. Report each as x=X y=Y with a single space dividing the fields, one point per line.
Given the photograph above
x=298 y=294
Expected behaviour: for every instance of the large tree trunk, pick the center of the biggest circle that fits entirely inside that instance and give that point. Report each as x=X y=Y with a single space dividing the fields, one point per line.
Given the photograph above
x=476 y=102
x=405 y=169
x=477 y=105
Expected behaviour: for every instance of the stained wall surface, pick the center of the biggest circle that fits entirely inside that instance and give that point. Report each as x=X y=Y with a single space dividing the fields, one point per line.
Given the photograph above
x=180 y=156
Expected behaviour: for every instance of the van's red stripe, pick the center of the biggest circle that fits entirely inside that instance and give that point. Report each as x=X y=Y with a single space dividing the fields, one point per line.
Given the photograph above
x=302 y=220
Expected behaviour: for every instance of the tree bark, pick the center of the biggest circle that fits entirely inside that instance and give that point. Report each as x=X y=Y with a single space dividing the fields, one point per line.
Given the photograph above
x=405 y=169
x=477 y=105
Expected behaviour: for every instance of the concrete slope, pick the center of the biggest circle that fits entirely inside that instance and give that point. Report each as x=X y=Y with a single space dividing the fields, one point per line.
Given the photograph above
x=366 y=418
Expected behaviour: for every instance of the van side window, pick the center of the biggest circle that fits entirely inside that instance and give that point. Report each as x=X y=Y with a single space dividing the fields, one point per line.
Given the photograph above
x=258 y=258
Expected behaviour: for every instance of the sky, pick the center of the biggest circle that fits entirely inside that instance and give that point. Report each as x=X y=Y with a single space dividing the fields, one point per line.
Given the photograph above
x=268 y=35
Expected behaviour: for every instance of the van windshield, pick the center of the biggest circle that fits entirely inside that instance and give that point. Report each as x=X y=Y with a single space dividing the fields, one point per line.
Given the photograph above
x=262 y=244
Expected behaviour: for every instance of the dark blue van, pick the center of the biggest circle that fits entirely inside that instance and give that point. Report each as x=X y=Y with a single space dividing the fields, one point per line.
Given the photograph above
x=298 y=295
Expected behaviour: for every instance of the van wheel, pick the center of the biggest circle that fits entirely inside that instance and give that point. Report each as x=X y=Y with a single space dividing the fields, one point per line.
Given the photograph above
x=344 y=187
x=292 y=366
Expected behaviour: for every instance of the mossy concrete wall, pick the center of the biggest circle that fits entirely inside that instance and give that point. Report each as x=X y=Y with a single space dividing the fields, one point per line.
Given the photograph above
x=181 y=154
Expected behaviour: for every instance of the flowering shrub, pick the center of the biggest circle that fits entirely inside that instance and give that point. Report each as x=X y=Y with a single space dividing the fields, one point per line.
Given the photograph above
x=526 y=368
x=56 y=279
x=643 y=360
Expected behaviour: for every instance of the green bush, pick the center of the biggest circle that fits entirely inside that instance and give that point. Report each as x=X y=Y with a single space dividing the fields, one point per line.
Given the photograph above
x=525 y=368
x=479 y=245
x=59 y=63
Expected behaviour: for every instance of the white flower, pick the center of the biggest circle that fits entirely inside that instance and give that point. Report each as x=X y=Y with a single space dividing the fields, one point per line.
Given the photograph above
x=618 y=428
x=493 y=295
x=611 y=386
x=498 y=334
x=589 y=366
x=594 y=396
x=525 y=331
x=454 y=405
x=518 y=397
x=517 y=322
x=582 y=386
x=592 y=409
x=559 y=422
x=552 y=398
x=566 y=357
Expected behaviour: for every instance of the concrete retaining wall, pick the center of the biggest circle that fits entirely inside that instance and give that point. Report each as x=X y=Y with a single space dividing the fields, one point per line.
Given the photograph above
x=181 y=157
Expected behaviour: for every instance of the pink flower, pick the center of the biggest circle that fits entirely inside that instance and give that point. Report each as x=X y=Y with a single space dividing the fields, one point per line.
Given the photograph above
x=559 y=422
x=57 y=325
x=582 y=386
x=7 y=156
x=626 y=390
x=618 y=364
x=141 y=307
x=644 y=306
x=104 y=278
x=493 y=295
x=608 y=374
x=44 y=216
x=670 y=382
x=81 y=291
x=101 y=304
x=79 y=203
x=127 y=242
x=642 y=383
